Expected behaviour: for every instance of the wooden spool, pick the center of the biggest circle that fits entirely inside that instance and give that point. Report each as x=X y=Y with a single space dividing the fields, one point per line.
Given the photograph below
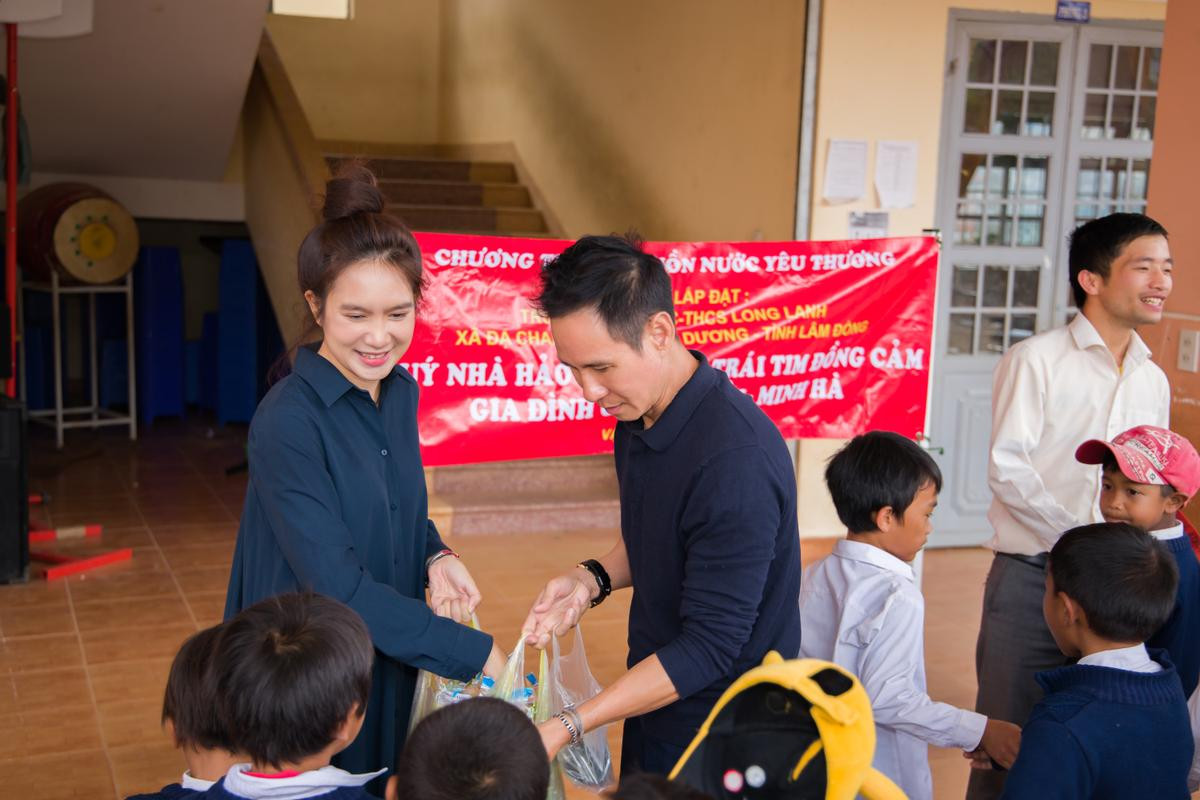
x=78 y=230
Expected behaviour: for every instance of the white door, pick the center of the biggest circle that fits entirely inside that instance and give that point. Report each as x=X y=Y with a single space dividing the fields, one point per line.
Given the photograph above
x=1033 y=145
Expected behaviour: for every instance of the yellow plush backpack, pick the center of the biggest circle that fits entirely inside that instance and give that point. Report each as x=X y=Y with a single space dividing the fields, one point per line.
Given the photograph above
x=788 y=730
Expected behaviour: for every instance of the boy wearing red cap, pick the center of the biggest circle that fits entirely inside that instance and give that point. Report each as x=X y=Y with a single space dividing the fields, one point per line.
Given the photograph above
x=1148 y=474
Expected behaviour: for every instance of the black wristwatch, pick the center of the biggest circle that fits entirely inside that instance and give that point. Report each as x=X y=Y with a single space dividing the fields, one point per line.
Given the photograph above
x=602 y=580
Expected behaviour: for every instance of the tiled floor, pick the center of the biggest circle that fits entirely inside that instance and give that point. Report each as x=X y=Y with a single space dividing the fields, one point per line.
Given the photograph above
x=83 y=661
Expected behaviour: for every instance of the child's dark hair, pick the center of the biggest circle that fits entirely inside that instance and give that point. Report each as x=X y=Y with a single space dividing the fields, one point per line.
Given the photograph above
x=1121 y=576
x=1109 y=464
x=482 y=749
x=289 y=670
x=190 y=699
x=878 y=469
x=1097 y=243
x=647 y=786
x=613 y=275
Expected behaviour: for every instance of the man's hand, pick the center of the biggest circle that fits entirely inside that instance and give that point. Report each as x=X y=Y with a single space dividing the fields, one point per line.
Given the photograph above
x=452 y=590
x=559 y=607
x=1001 y=741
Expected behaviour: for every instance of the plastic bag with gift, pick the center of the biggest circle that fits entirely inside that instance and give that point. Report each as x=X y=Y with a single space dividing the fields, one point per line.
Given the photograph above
x=587 y=763
x=542 y=703
x=434 y=691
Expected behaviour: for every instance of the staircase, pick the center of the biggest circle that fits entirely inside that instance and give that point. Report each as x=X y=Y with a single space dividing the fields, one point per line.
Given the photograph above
x=432 y=193
x=442 y=189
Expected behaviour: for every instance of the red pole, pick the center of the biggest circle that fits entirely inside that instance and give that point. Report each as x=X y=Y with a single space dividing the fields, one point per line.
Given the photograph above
x=10 y=208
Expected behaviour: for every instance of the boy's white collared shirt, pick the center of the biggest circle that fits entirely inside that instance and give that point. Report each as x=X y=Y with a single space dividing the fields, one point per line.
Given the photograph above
x=860 y=609
x=1167 y=534
x=313 y=783
x=195 y=784
x=1132 y=659
x=1050 y=394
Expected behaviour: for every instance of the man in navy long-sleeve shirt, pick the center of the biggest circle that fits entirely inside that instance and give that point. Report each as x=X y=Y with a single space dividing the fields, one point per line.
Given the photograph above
x=709 y=540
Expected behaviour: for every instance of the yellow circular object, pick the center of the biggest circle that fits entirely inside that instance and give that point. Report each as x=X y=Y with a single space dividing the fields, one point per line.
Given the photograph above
x=97 y=241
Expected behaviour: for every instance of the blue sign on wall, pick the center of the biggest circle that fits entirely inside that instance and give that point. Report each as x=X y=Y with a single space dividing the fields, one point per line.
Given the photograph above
x=1073 y=11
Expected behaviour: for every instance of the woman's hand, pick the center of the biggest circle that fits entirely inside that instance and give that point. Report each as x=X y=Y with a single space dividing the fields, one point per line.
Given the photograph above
x=495 y=662
x=554 y=736
x=452 y=590
x=560 y=606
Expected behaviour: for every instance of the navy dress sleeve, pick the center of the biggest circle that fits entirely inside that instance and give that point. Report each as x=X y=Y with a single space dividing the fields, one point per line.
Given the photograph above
x=297 y=496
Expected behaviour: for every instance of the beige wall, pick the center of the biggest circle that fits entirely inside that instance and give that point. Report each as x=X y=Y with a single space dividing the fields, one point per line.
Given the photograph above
x=875 y=84
x=1172 y=201
x=373 y=78
x=632 y=114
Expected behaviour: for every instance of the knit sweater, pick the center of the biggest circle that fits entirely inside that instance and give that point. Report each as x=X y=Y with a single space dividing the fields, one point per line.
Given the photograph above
x=1180 y=634
x=1105 y=734
x=172 y=791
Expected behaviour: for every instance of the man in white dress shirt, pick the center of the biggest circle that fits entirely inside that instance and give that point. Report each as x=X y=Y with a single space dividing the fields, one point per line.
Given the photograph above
x=861 y=609
x=1090 y=379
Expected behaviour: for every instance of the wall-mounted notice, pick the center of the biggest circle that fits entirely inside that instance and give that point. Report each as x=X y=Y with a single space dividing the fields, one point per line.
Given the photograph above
x=868 y=225
x=845 y=170
x=896 y=173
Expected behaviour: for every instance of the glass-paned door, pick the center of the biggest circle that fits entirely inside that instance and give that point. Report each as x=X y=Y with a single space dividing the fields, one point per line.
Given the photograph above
x=1112 y=133
x=1045 y=126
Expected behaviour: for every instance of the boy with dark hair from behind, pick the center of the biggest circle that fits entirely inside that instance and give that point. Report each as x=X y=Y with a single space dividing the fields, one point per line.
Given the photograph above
x=192 y=720
x=1115 y=724
x=1148 y=475
x=292 y=675
x=482 y=749
x=861 y=609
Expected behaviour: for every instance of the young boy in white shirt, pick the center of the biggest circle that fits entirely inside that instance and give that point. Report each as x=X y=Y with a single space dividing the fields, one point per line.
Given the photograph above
x=861 y=609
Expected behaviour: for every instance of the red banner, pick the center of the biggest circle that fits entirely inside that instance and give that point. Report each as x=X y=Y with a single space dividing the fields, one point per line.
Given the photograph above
x=830 y=339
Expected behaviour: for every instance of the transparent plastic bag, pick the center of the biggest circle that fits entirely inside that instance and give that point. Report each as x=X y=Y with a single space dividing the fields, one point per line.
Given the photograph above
x=541 y=713
x=588 y=764
x=434 y=691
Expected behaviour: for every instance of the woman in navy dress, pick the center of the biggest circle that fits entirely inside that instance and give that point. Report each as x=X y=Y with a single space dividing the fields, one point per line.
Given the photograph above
x=337 y=501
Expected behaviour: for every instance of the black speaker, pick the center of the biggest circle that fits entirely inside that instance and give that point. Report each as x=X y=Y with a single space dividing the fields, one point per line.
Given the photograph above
x=14 y=492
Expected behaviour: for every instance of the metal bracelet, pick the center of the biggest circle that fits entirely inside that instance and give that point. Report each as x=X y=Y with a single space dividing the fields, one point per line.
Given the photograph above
x=571 y=711
x=570 y=726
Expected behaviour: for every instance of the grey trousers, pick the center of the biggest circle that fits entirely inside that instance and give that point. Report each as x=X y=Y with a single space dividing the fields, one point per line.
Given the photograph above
x=1014 y=644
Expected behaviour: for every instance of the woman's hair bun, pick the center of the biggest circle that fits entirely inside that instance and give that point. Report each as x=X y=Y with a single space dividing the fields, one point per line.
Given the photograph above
x=353 y=190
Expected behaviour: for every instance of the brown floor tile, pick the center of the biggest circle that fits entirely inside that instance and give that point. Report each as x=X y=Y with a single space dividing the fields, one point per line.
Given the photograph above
x=75 y=776
x=34 y=620
x=146 y=612
x=105 y=646
x=32 y=653
x=145 y=767
x=128 y=681
x=111 y=583
x=214 y=512
x=33 y=593
x=207 y=607
x=23 y=692
x=207 y=579
x=35 y=733
x=201 y=556
x=222 y=533
x=132 y=722
x=126 y=537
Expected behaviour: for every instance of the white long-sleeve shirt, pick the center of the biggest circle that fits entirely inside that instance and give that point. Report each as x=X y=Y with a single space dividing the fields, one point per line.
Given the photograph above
x=1051 y=393
x=860 y=609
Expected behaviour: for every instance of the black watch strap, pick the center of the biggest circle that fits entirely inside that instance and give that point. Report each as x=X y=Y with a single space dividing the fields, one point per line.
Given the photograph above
x=602 y=580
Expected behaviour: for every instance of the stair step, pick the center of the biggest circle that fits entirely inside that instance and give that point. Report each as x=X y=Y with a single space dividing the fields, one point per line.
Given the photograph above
x=436 y=169
x=463 y=218
x=484 y=514
x=455 y=193
x=547 y=476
